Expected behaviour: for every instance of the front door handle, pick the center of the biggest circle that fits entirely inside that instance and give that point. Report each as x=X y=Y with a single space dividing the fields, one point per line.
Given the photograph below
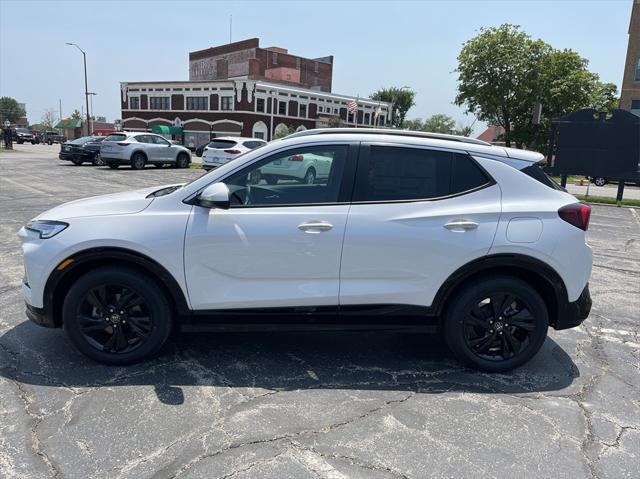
x=461 y=225
x=315 y=227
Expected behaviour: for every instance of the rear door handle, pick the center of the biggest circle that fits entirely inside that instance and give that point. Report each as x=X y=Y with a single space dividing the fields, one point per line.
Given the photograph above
x=315 y=227
x=461 y=225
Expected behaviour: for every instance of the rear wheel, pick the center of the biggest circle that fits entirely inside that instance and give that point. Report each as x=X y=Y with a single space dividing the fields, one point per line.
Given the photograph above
x=310 y=176
x=97 y=160
x=182 y=161
x=138 y=161
x=600 y=181
x=116 y=315
x=497 y=324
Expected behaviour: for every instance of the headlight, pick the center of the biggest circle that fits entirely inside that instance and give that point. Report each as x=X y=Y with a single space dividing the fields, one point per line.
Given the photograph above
x=46 y=229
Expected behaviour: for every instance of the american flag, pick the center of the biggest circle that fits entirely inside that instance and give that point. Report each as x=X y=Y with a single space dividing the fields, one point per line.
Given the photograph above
x=352 y=106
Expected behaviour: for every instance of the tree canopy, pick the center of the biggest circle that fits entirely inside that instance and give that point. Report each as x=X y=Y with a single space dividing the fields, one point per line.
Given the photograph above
x=10 y=110
x=438 y=123
x=503 y=73
x=402 y=98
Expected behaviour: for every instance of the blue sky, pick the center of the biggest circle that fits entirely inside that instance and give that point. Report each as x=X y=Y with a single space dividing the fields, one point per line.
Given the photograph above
x=374 y=43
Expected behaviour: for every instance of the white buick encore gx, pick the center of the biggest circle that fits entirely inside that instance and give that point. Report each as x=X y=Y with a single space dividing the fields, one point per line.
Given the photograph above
x=404 y=231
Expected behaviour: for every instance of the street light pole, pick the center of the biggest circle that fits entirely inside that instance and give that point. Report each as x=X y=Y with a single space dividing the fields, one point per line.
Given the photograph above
x=86 y=87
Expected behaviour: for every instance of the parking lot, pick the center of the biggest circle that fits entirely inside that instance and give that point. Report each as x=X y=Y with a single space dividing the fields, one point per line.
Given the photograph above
x=330 y=405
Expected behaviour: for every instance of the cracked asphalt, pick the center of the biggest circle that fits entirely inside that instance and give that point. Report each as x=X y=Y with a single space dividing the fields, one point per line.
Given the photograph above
x=329 y=405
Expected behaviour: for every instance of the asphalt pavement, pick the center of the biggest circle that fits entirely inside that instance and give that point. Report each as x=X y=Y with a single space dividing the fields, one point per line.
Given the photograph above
x=329 y=405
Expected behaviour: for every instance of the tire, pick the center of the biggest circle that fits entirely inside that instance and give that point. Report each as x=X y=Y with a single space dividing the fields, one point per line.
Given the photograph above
x=33 y=142
x=182 y=161
x=19 y=142
x=97 y=160
x=113 y=165
x=77 y=162
x=50 y=142
x=309 y=177
x=600 y=181
x=483 y=342
x=138 y=160
x=106 y=331
x=271 y=180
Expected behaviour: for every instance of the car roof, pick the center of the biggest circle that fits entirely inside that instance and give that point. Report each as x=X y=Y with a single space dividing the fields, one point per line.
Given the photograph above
x=237 y=138
x=414 y=138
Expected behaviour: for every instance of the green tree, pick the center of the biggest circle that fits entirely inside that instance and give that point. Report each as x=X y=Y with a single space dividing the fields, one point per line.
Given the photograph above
x=416 y=124
x=605 y=97
x=503 y=72
x=282 y=132
x=10 y=110
x=76 y=115
x=402 y=98
x=439 y=123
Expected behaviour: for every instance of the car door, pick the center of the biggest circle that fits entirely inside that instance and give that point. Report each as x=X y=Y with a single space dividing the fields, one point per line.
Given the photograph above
x=278 y=245
x=163 y=148
x=418 y=214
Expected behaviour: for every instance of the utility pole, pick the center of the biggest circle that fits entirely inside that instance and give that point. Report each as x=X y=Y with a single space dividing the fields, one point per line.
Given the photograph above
x=60 y=110
x=86 y=87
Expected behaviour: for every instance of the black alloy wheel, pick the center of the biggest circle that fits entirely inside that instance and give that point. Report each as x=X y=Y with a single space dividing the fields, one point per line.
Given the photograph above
x=116 y=315
x=497 y=325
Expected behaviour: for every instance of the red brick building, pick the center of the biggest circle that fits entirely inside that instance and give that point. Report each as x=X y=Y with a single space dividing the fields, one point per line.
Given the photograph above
x=630 y=97
x=247 y=95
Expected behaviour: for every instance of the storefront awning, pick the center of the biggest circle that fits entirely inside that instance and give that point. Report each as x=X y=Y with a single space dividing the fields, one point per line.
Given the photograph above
x=166 y=130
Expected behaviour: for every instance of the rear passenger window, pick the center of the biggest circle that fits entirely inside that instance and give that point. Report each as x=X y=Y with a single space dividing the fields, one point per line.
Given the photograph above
x=466 y=175
x=402 y=174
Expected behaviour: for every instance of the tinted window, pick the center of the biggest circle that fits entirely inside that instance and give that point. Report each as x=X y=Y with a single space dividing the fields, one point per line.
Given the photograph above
x=143 y=139
x=158 y=140
x=466 y=175
x=82 y=140
x=222 y=144
x=116 y=137
x=395 y=174
x=300 y=176
x=252 y=145
x=535 y=172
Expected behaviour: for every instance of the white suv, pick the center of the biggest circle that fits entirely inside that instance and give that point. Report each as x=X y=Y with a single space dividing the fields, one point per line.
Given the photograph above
x=408 y=232
x=222 y=150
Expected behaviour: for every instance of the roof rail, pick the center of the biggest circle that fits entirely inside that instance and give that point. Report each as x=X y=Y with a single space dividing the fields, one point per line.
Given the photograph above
x=388 y=131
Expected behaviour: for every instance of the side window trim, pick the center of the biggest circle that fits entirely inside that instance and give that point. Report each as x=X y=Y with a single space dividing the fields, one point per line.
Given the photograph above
x=363 y=168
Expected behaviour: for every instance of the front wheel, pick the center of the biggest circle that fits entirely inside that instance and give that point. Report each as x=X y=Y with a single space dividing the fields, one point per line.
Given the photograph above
x=97 y=160
x=116 y=316
x=600 y=181
x=182 y=161
x=496 y=324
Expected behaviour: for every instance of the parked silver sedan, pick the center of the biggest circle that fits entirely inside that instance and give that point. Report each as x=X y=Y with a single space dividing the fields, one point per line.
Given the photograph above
x=139 y=149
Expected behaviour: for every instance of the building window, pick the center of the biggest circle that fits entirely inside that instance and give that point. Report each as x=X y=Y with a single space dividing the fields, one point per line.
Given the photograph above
x=366 y=118
x=159 y=103
x=315 y=67
x=638 y=70
x=635 y=106
x=320 y=109
x=382 y=120
x=274 y=58
x=197 y=103
x=225 y=103
x=134 y=103
x=350 y=117
x=282 y=108
x=303 y=110
x=260 y=105
x=298 y=63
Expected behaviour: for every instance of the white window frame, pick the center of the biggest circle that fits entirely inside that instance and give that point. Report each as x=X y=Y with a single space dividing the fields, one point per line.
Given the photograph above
x=230 y=102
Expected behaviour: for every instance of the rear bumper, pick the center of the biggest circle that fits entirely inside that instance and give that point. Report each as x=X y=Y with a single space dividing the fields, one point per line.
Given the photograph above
x=573 y=314
x=69 y=156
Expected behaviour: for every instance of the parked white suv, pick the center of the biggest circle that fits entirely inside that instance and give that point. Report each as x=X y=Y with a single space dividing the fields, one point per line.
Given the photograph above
x=139 y=149
x=224 y=149
x=408 y=231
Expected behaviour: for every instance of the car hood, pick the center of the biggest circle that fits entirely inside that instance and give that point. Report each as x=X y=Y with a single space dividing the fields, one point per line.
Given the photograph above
x=125 y=203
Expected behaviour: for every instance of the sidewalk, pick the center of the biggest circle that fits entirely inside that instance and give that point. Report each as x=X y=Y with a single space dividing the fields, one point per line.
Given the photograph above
x=630 y=192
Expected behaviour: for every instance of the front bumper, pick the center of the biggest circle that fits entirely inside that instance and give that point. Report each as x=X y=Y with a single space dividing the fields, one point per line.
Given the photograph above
x=40 y=316
x=573 y=314
x=69 y=156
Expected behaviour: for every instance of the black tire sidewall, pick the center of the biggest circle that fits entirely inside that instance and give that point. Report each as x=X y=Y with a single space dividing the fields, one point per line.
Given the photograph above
x=182 y=161
x=134 y=160
x=453 y=330
x=135 y=280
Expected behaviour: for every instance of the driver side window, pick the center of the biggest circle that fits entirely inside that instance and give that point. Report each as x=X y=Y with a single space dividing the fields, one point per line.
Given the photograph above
x=299 y=176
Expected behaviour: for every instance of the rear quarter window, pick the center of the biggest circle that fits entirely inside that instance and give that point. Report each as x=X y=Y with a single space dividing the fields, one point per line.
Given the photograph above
x=115 y=137
x=222 y=144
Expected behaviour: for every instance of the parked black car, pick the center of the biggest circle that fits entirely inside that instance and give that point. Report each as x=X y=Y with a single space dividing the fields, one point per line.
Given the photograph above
x=81 y=150
x=51 y=137
x=23 y=135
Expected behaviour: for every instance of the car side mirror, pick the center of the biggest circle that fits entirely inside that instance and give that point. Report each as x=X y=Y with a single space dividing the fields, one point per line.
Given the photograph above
x=215 y=195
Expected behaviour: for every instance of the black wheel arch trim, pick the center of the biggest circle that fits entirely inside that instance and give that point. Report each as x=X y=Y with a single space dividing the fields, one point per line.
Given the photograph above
x=540 y=275
x=83 y=261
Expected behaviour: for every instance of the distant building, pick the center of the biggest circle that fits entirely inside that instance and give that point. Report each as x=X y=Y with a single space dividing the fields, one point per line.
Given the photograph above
x=630 y=98
x=241 y=89
x=246 y=60
x=493 y=134
x=23 y=122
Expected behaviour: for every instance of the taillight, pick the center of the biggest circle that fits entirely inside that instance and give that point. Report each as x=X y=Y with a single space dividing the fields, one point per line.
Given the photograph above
x=296 y=158
x=577 y=214
x=232 y=152
x=122 y=144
